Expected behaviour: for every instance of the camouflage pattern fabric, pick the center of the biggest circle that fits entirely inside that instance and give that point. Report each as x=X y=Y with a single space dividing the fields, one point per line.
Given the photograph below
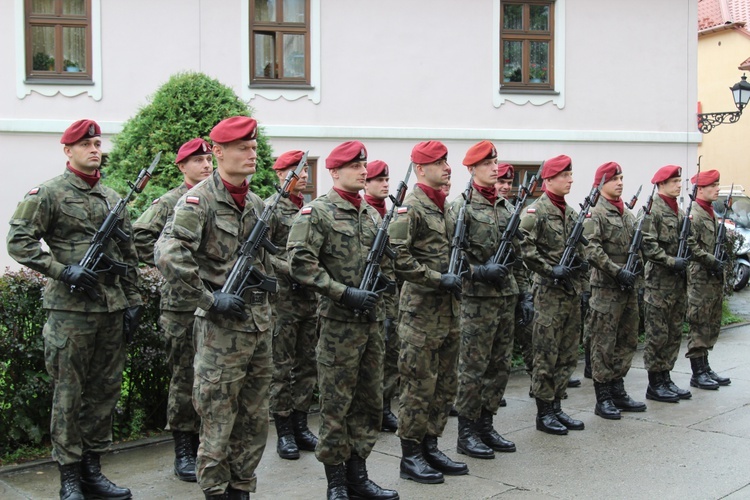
x=147 y=228
x=178 y=331
x=390 y=364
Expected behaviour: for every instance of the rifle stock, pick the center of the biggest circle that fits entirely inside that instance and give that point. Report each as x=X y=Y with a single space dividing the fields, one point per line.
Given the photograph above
x=457 y=264
x=633 y=264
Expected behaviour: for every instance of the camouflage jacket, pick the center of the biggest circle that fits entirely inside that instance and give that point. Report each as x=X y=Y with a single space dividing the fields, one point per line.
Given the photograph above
x=198 y=248
x=485 y=224
x=66 y=212
x=421 y=237
x=147 y=228
x=661 y=239
x=545 y=232
x=702 y=240
x=609 y=235
x=328 y=246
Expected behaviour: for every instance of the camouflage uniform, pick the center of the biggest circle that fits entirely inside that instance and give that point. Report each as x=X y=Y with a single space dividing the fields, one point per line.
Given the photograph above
x=83 y=339
x=428 y=324
x=392 y=349
x=557 y=317
x=195 y=253
x=328 y=246
x=612 y=319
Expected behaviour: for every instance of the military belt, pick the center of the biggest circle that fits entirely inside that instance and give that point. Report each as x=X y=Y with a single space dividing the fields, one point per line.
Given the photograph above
x=255 y=298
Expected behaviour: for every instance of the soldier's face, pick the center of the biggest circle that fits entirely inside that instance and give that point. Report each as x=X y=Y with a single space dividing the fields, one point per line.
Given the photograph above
x=301 y=180
x=446 y=188
x=435 y=174
x=378 y=187
x=612 y=189
x=196 y=168
x=503 y=187
x=671 y=187
x=85 y=155
x=238 y=158
x=350 y=177
x=561 y=183
x=485 y=172
x=709 y=193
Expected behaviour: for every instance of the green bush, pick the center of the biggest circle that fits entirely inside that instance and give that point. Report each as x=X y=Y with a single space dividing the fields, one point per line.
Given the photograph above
x=185 y=107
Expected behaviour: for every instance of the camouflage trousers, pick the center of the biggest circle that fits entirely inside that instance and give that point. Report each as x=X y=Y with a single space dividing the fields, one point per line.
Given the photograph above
x=427 y=364
x=178 y=330
x=294 y=367
x=487 y=325
x=522 y=338
x=664 y=311
x=557 y=326
x=230 y=393
x=612 y=321
x=350 y=378
x=84 y=354
x=704 y=317
x=390 y=365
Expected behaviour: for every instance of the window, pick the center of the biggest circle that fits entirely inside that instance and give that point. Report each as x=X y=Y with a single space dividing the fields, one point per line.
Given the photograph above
x=280 y=42
x=527 y=44
x=522 y=175
x=58 y=40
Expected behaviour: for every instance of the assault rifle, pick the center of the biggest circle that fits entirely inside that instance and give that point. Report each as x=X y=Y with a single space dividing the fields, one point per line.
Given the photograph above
x=373 y=280
x=244 y=274
x=720 y=253
x=458 y=264
x=633 y=264
x=504 y=254
x=570 y=258
x=683 y=251
x=95 y=259
x=634 y=199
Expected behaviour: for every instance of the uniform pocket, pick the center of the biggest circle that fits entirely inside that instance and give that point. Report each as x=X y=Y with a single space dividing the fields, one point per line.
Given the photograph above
x=74 y=208
x=213 y=391
x=223 y=241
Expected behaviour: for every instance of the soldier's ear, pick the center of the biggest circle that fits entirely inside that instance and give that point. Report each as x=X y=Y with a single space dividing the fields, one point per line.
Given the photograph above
x=68 y=152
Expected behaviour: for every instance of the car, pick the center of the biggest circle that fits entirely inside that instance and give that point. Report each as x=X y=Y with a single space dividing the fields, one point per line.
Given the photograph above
x=738 y=221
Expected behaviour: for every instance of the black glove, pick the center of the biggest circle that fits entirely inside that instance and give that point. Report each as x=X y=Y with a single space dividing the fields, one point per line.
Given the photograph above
x=79 y=276
x=131 y=318
x=560 y=273
x=525 y=308
x=718 y=266
x=358 y=299
x=680 y=264
x=229 y=304
x=625 y=278
x=450 y=281
x=390 y=329
x=583 y=266
x=490 y=273
x=585 y=297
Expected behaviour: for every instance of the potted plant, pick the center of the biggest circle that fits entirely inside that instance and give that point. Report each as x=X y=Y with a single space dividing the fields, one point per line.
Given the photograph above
x=537 y=73
x=71 y=66
x=43 y=62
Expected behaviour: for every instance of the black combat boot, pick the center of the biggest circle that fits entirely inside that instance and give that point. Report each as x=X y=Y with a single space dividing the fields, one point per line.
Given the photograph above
x=490 y=436
x=722 y=381
x=361 y=486
x=220 y=496
x=681 y=393
x=657 y=389
x=565 y=419
x=700 y=378
x=286 y=446
x=235 y=494
x=184 y=460
x=70 y=481
x=303 y=436
x=621 y=399
x=605 y=407
x=469 y=442
x=336 y=475
x=439 y=460
x=415 y=467
x=587 y=360
x=95 y=484
x=574 y=382
x=390 y=422
x=546 y=421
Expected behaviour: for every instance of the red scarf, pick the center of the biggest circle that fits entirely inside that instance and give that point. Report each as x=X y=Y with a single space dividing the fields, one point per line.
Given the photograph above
x=353 y=198
x=238 y=193
x=297 y=200
x=376 y=203
x=189 y=186
x=436 y=195
x=671 y=202
x=558 y=201
x=706 y=205
x=618 y=204
x=91 y=180
x=489 y=193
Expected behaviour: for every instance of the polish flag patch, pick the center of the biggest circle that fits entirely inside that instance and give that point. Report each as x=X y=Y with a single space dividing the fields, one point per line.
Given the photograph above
x=193 y=199
x=155 y=201
x=690 y=217
x=306 y=210
x=34 y=191
x=588 y=215
x=402 y=210
x=531 y=210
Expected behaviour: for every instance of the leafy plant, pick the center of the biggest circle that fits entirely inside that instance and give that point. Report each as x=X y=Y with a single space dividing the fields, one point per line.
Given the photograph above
x=42 y=62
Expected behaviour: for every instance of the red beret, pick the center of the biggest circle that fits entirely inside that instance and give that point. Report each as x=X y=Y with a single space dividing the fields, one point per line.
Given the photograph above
x=665 y=173
x=428 y=152
x=478 y=152
x=377 y=168
x=555 y=165
x=610 y=169
x=82 y=129
x=234 y=129
x=705 y=178
x=345 y=153
x=193 y=147
x=288 y=160
x=505 y=170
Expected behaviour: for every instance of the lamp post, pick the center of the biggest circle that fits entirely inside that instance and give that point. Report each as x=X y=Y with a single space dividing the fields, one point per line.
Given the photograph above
x=741 y=95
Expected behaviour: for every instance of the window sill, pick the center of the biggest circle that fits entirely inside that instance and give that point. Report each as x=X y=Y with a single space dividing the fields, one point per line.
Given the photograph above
x=53 y=81
x=533 y=91
x=293 y=86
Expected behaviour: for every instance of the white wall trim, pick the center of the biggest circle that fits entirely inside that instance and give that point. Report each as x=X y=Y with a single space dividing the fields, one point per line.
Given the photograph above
x=94 y=90
x=290 y=94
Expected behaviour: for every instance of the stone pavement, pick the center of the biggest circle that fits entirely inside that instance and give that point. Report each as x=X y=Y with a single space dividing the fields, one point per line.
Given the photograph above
x=696 y=449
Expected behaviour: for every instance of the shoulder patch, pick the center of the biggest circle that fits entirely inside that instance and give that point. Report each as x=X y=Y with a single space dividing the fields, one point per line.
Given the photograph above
x=588 y=215
x=690 y=217
x=193 y=199
x=34 y=191
x=531 y=210
x=307 y=210
x=403 y=210
x=155 y=201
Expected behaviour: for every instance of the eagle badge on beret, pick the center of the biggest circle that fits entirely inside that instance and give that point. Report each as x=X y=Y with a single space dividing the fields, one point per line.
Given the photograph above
x=92 y=130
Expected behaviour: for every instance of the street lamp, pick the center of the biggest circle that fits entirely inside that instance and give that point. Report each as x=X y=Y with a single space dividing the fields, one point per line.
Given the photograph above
x=741 y=95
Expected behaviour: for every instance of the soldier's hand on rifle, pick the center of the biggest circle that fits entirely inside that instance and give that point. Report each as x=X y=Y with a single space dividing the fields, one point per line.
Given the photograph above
x=560 y=273
x=680 y=264
x=525 y=308
x=358 y=299
x=625 y=278
x=229 y=304
x=450 y=281
x=131 y=318
x=490 y=273
x=79 y=276
x=717 y=266
x=585 y=298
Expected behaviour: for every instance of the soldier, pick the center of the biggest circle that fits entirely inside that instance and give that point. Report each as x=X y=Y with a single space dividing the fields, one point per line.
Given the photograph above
x=428 y=325
x=195 y=161
x=295 y=334
x=705 y=284
x=613 y=307
x=195 y=253
x=666 y=287
x=328 y=247
x=84 y=337
x=376 y=192
x=557 y=322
